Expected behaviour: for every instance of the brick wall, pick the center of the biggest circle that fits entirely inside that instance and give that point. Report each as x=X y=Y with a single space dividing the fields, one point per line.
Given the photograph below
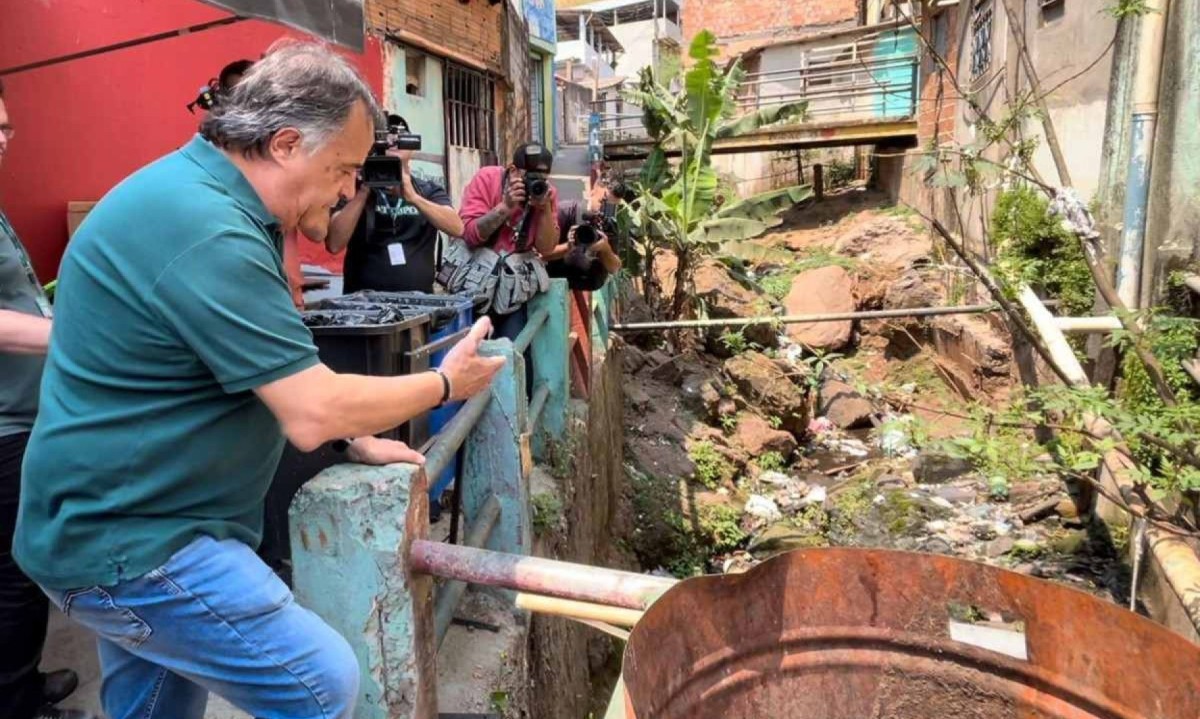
x=471 y=31
x=769 y=19
x=938 y=103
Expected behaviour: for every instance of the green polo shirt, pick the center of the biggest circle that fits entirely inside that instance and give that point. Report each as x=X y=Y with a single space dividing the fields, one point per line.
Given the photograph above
x=172 y=306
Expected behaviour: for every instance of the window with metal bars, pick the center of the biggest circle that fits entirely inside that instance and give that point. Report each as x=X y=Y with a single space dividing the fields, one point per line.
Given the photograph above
x=982 y=15
x=470 y=109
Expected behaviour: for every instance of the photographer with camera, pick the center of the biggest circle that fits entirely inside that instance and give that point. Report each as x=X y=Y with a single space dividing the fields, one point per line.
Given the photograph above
x=584 y=256
x=390 y=227
x=511 y=220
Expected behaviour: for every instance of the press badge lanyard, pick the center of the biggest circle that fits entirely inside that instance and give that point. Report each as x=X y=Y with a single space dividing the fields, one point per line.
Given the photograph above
x=39 y=294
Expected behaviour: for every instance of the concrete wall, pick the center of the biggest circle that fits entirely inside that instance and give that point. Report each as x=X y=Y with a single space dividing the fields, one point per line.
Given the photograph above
x=1173 y=228
x=425 y=111
x=638 y=40
x=1062 y=47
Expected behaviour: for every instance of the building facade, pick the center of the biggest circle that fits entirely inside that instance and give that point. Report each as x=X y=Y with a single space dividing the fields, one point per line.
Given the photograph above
x=84 y=124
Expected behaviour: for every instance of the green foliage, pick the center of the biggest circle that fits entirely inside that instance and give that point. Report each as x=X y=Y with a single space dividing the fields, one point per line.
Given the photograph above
x=1035 y=249
x=1122 y=9
x=720 y=527
x=735 y=342
x=771 y=462
x=680 y=206
x=728 y=422
x=547 y=512
x=817 y=363
x=839 y=173
x=710 y=468
x=775 y=421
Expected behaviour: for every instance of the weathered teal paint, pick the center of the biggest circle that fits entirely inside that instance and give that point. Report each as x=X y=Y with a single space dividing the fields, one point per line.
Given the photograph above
x=425 y=113
x=350 y=528
x=601 y=317
x=550 y=351
x=898 y=77
x=492 y=456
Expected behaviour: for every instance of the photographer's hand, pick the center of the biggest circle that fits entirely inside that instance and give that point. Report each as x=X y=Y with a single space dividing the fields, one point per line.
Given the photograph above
x=602 y=249
x=514 y=193
x=341 y=226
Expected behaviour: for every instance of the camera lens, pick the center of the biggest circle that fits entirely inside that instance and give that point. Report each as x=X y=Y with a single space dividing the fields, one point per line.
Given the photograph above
x=585 y=234
x=538 y=187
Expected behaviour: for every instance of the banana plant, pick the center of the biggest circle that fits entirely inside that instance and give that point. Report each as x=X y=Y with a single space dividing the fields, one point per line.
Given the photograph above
x=680 y=206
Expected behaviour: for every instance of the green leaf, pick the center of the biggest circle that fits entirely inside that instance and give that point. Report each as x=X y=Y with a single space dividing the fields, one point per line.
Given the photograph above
x=766 y=117
x=767 y=204
x=704 y=99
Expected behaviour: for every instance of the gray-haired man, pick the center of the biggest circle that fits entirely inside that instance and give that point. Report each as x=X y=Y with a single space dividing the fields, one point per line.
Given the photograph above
x=177 y=367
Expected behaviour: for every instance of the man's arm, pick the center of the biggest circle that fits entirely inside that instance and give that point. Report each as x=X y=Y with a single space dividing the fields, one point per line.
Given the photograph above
x=341 y=227
x=23 y=334
x=434 y=205
x=547 y=229
x=603 y=250
x=317 y=405
x=483 y=213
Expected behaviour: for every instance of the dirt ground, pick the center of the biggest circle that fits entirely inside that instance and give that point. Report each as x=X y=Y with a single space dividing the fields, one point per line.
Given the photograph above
x=706 y=495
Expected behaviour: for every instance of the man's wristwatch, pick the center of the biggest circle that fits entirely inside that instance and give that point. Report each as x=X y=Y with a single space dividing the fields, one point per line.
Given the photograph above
x=445 y=386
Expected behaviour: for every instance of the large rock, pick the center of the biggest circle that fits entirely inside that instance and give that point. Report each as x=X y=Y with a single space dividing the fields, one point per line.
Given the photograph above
x=755 y=435
x=820 y=291
x=938 y=468
x=724 y=297
x=766 y=385
x=844 y=406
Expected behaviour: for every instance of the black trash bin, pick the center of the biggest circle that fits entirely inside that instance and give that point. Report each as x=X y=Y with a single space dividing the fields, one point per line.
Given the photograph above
x=357 y=340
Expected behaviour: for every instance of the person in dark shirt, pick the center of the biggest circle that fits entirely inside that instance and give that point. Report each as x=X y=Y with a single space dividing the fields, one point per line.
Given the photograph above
x=584 y=266
x=391 y=235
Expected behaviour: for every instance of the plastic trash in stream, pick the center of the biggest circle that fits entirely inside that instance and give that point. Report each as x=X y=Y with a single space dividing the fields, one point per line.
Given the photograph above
x=895 y=436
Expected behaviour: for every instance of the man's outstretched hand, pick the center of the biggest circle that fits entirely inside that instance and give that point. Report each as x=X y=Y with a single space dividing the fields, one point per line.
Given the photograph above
x=376 y=451
x=469 y=373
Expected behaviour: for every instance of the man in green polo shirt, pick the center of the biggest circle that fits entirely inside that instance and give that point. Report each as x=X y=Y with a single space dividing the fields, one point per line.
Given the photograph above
x=177 y=367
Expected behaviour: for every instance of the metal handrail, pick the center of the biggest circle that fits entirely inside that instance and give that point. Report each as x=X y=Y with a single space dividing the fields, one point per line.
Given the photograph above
x=450 y=439
x=532 y=326
x=450 y=594
x=537 y=404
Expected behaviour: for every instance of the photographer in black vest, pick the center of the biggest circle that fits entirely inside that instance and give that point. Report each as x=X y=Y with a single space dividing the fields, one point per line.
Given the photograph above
x=390 y=234
x=584 y=256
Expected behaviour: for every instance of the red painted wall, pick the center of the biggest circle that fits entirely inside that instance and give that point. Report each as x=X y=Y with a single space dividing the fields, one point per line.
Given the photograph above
x=84 y=125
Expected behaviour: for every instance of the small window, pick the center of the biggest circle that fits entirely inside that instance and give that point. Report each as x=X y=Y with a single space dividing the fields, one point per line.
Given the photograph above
x=1052 y=11
x=414 y=70
x=981 y=37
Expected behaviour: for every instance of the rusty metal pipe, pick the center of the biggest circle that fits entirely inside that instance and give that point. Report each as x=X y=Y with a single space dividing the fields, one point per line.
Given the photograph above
x=806 y=319
x=597 y=585
x=450 y=594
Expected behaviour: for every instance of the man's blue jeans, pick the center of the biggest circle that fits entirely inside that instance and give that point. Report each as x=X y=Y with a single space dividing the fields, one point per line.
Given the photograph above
x=213 y=618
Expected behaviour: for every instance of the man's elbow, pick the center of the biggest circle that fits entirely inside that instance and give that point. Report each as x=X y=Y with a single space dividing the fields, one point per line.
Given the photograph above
x=455 y=227
x=306 y=432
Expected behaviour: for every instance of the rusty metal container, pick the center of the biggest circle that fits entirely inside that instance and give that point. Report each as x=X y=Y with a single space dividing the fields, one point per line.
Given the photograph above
x=872 y=634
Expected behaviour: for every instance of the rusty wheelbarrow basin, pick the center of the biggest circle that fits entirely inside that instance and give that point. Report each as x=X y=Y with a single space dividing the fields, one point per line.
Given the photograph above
x=875 y=634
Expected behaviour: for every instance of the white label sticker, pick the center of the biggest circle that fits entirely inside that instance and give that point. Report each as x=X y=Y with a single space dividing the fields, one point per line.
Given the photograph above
x=396 y=254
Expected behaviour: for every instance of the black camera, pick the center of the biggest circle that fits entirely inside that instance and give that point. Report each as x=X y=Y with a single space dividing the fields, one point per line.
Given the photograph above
x=592 y=225
x=536 y=185
x=381 y=169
